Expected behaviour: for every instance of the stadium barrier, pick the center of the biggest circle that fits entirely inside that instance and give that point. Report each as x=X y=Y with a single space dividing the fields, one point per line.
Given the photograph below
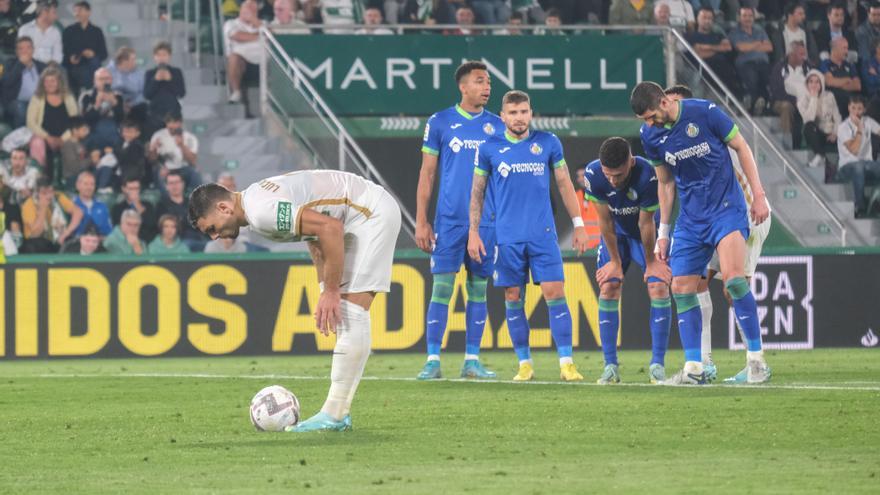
x=261 y=304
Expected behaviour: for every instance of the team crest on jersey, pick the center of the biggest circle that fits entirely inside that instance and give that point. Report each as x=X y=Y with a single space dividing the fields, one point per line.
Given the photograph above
x=692 y=130
x=504 y=169
x=536 y=149
x=632 y=194
x=489 y=128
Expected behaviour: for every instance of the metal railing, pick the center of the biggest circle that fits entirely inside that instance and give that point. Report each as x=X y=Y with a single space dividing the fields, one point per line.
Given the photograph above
x=676 y=48
x=298 y=105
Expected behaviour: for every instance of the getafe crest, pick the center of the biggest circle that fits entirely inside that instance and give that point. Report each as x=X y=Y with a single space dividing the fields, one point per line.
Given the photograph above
x=536 y=149
x=489 y=128
x=692 y=130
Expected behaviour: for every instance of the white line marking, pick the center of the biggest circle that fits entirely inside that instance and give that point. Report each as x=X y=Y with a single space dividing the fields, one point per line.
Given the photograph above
x=793 y=386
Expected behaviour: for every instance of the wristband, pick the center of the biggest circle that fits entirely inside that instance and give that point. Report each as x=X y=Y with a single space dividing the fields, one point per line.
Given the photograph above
x=577 y=222
x=663 y=231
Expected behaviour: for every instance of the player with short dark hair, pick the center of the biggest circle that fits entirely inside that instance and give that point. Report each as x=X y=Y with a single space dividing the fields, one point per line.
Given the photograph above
x=516 y=165
x=687 y=142
x=624 y=189
x=356 y=223
x=451 y=139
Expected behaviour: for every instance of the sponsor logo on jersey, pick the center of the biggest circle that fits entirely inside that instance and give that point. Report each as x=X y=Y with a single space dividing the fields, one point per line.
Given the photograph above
x=489 y=128
x=632 y=194
x=284 y=217
x=698 y=151
x=427 y=131
x=469 y=144
x=504 y=149
x=455 y=126
x=536 y=149
x=663 y=139
x=692 y=130
x=533 y=168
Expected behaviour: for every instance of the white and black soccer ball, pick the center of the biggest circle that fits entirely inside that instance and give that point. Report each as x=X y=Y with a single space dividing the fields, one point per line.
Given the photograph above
x=274 y=408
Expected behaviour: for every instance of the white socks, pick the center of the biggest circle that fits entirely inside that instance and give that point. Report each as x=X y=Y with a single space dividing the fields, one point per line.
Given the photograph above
x=349 y=358
x=706 y=337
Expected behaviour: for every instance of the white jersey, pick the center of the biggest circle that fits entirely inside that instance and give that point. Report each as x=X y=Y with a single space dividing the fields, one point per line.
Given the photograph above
x=274 y=206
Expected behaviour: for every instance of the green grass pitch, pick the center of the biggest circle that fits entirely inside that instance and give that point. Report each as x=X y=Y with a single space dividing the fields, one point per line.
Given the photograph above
x=181 y=426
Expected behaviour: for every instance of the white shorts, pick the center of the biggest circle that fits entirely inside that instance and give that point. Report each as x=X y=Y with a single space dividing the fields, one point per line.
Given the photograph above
x=757 y=236
x=369 y=249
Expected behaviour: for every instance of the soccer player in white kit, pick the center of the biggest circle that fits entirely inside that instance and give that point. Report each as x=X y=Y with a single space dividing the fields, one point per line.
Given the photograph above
x=356 y=223
x=757 y=235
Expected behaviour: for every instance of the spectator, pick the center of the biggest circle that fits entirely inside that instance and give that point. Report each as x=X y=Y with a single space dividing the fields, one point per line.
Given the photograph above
x=418 y=12
x=128 y=79
x=841 y=77
x=243 y=48
x=492 y=12
x=94 y=212
x=832 y=28
x=164 y=85
x=464 y=18
x=661 y=14
x=74 y=158
x=531 y=10
x=85 y=48
x=226 y=245
x=854 y=147
x=48 y=116
x=752 y=60
x=514 y=25
x=123 y=239
x=103 y=109
x=132 y=156
x=19 y=82
x=167 y=242
x=175 y=149
x=869 y=32
x=630 y=12
x=88 y=243
x=9 y=23
x=792 y=30
x=131 y=192
x=681 y=13
x=372 y=19
x=176 y=203
x=18 y=177
x=821 y=117
x=286 y=18
x=714 y=48
x=227 y=180
x=45 y=35
x=788 y=79
x=43 y=215
x=339 y=13
x=871 y=74
x=552 y=22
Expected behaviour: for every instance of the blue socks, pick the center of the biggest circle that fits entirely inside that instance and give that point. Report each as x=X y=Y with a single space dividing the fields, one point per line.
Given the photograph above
x=438 y=311
x=518 y=326
x=560 y=326
x=661 y=316
x=475 y=313
x=609 y=321
x=690 y=325
x=746 y=310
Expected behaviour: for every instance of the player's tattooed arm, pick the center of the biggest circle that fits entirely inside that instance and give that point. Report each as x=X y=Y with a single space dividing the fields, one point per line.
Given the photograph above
x=760 y=209
x=475 y=247
x=653 y=267
x=614 y=268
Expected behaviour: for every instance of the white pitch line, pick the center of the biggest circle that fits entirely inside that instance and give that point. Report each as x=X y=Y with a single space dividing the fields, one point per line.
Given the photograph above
x=798 y=386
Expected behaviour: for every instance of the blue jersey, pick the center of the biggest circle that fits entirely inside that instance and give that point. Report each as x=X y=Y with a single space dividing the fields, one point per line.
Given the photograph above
x=695 y=150
x=518 y=170
x=640 y=193
x=454 y=135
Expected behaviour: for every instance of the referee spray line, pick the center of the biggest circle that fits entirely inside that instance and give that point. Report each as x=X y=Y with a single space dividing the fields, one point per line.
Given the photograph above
x=767 y=386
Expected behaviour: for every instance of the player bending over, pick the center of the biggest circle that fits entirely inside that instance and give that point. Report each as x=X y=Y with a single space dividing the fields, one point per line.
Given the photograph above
x=624 y=189
x=356 y=223
x=757 y=235
x=451 y=139
x=687 y=143
x=516 y=164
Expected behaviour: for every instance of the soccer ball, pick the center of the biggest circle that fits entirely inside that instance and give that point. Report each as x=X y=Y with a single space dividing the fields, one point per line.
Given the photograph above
x=274 y=408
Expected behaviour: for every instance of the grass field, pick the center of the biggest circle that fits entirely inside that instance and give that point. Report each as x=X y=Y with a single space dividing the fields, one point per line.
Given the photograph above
x=181 y=426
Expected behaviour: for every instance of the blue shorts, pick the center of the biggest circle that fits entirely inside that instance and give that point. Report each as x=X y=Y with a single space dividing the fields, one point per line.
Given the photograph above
x=450 y=250
x=513 y=262
x=693 y=244
x=630 y=250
